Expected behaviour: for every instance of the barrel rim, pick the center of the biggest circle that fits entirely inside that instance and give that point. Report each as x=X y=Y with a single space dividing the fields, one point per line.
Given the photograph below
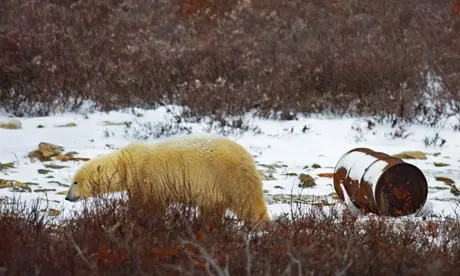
x=347 y=153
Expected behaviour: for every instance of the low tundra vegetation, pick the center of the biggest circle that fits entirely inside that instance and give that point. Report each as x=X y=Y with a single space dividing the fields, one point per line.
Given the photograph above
x=397 y=61
x=121 y=237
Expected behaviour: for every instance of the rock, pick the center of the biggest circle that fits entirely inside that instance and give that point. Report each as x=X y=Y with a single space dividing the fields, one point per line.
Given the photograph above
x=440 y=164
x=4 y=184
x=5 y=166
x=31 y=183
x=48 y=149
x=11 y=124
x=22 y=186
x=315 y=166
x=126 y=123
x=410 y=155
x=267 y=175
x=446 y=180
x=288 y=198
x=70 y=156
x=40 y=126
x=53 y=166
x=274 y=166
x=44 y=171
x=63 y=158
x=439 y=188
x=306 y=180
x=72 y=124
x=44 y=190
x=454 y=190
x=15 y=185
x=328 y=175
x=322 y=203
x=290 y=174
x=45 y=152
x=53 y=212
x=278 y=187
x=58 y=183
x=334 y=195
x=271 y=170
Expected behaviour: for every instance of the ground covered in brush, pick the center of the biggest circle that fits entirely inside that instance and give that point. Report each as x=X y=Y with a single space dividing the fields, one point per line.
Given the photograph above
x=397 y=61
x=119 y=237
x=367 y=58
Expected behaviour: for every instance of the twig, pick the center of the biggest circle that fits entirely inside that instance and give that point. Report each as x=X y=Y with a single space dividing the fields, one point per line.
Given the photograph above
x=296 y=261
x=17 y=159
x=211 y=261
x=248 y=255
x=227 y=262
x=344 y=263
x=81 y=255
x=288 y=270
x=110 y=233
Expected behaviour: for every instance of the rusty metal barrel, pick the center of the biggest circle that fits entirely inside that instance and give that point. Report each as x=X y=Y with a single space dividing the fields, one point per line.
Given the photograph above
x=379 y=183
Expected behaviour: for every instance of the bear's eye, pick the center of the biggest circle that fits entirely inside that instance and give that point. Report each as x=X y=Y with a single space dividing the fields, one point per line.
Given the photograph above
x=75 y=183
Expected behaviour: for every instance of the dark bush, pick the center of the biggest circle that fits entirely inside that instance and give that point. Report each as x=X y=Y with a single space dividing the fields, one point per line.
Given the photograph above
x=119 y=237
x=364 y=58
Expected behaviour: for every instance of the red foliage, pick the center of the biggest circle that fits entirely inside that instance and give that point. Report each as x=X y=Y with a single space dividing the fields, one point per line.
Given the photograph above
x=228 y=57
x=154 y=243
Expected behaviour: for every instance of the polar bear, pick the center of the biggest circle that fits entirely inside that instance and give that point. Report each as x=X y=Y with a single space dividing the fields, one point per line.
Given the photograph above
x=212 y=172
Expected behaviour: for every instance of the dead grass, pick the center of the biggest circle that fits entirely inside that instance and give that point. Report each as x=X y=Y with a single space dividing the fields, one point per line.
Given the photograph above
x=217 y=58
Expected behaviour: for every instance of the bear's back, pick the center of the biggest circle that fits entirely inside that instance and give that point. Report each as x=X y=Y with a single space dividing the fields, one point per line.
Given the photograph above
x=213 y=147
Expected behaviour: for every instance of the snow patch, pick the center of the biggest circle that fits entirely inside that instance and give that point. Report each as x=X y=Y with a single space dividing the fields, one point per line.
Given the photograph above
x=360 y=165
x=278 y=141
x=374 y=172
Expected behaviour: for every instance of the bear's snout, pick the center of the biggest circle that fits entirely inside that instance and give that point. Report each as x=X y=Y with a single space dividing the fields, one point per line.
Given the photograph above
x=71 y=199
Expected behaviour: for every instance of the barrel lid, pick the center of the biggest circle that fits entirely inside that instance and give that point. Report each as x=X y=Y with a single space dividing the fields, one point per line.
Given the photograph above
x=401 y=190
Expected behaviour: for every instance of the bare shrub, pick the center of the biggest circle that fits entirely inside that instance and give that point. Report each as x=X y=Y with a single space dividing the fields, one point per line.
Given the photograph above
x=149 y=130
x=338 y=57
x=121 y=236
x=435 y=141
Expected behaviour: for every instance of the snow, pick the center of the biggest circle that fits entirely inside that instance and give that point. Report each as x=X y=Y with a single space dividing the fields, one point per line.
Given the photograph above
x=373 y=174
x=359 y=165
x=281 y=148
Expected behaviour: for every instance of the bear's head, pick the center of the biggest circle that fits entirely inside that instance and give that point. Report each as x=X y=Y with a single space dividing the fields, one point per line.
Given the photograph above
x=101 y=175
x=80 y=188
x=91 y=181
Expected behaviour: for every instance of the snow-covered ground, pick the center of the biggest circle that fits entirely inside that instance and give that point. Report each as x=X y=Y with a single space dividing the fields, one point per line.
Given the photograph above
x=283 y=150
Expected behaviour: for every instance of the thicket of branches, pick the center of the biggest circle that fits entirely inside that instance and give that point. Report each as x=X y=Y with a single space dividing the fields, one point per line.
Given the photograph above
x=128 y=238
x=374 y=58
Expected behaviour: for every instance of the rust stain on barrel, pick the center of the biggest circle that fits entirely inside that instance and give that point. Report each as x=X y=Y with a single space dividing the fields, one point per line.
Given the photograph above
x=397 y=188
